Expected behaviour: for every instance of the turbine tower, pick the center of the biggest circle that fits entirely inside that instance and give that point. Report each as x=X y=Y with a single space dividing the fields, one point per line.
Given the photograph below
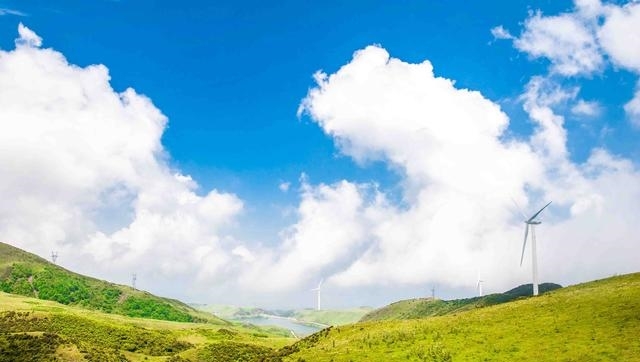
x=479 y=286
x=318 y=290
x=530 y=224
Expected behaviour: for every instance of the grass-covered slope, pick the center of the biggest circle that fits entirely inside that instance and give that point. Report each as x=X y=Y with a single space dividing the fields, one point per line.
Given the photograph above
x=428 y=307
x=29 y=275
x=595 y=321
x=38 y=330
x=331 y=317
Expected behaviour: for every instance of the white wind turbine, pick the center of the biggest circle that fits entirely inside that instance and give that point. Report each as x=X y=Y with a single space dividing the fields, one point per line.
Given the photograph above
x=479 y=286
x=318 y=290
x=530 y=224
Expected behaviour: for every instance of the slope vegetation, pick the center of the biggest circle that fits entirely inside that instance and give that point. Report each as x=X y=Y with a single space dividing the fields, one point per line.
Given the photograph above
x=29 y=275
x=37 y=330
x=429 y=307
x=595 y=321
x=332 y=317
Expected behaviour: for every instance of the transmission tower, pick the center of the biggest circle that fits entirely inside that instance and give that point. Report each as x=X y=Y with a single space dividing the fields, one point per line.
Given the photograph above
x=54 y=256
x=133 y=280
x=433 y=292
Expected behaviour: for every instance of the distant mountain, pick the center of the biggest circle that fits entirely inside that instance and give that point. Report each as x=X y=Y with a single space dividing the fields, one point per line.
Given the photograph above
x=27 y=274
x=330 y=317
x=429 y=307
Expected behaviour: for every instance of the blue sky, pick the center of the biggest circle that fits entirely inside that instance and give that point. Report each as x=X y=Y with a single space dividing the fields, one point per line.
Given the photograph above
x=230 y=77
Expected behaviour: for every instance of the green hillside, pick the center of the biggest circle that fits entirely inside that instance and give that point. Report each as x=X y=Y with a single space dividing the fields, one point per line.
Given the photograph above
x=595 y=321
x=429 y=307
x=331 y=317
x=37 y=330
x=29 y=275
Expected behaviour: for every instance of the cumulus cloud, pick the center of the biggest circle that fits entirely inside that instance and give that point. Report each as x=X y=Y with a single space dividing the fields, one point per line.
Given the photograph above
x=583 y=41
x=566 y=40
x=27 y=37
x=459 y=174
x=85 y=173
x=620 y=35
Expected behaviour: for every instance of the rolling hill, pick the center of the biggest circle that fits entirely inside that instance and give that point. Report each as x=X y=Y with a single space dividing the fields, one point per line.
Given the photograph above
x=37 y=330
x=29 y=275
x=429 y=307
x=595 y=321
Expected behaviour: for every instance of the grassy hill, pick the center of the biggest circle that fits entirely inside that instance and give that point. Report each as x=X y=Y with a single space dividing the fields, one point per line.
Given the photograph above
x=29 y=275
x=429 y=307
x=37 y=330
x=595 y=321
x=331 y=317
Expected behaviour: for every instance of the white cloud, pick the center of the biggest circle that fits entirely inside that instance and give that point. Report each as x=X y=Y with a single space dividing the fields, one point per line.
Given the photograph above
x=566 y=40
x=577 y=42
x=84 y=172
x=5 y=11
x=633 y=108
x=586 y=108
x=583 y=41
x=499 y=32
x=27 y=37
x=459 y=176
x=328 y=230
x=284 y=186
x=620 y=35
x=589 y=9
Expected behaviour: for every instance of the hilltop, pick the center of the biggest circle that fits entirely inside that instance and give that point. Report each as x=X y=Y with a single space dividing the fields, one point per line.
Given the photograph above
x=29 y=275
x=595 y=321
x=429 y=307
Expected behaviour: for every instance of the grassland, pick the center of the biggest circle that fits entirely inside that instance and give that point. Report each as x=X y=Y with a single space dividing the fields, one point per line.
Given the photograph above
x=331 y=317
x=596 y=321
x=37 y=330
x=29 y=275
x=429 y=307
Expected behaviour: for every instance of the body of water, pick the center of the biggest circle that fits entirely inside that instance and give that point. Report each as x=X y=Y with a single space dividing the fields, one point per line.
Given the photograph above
x=300 y=330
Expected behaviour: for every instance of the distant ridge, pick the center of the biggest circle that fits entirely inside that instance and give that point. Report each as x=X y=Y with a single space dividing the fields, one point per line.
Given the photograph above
x=29 y=275
x=429 y=307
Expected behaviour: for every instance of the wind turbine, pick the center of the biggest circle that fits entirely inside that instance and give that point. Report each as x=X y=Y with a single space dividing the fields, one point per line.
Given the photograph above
x=530 y=224
x=479 y=286
x=318 y=290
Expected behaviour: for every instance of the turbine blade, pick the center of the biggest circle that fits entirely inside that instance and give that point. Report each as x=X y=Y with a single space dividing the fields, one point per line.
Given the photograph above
x=524 y=217
x=320 y=284
x=524 y=245
x=538 y=213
